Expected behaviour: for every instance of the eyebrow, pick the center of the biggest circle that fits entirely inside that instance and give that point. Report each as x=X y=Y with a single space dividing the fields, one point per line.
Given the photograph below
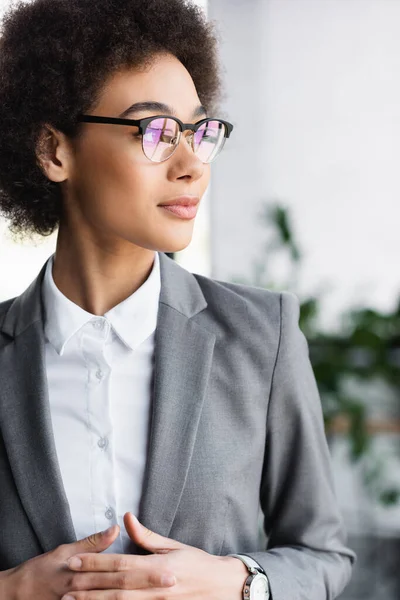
x=159 y=107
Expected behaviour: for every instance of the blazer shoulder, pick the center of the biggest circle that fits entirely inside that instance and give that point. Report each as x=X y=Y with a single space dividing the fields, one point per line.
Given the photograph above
x=260 y=304
x=245 y=292
x=4 y=306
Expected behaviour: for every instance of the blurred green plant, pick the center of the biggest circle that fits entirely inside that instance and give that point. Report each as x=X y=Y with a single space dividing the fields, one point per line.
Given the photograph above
x=365 y=350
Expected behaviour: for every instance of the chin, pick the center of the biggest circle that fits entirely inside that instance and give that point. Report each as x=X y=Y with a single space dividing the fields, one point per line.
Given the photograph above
x=176 y=247
x=174 y=242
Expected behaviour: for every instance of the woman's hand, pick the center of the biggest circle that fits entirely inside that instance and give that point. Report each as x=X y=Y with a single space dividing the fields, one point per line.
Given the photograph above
x=194 y=574
x=48 y=576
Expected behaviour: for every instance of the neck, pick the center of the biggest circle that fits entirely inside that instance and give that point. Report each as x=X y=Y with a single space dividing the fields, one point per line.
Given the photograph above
x=97 y=275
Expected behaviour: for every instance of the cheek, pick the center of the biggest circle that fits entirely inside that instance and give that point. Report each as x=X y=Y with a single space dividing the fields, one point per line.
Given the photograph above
x=114 y=173
x=111 y=162
x=205 y=179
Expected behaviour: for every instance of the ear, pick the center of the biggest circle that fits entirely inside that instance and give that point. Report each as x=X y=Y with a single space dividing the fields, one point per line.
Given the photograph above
x=52 y=153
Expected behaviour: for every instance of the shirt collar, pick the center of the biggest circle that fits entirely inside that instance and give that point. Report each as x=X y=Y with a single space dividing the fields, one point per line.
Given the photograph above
x=133 y=319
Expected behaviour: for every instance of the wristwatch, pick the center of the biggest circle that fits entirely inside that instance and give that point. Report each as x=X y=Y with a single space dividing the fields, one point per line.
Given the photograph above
x=256 y=586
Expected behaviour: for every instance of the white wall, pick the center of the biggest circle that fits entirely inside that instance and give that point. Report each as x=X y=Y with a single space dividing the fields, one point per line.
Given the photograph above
x=319 y=81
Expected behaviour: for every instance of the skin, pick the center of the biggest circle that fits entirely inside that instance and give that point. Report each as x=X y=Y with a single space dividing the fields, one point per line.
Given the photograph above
x=111 y=224
x=110 y=230
x=196 y=575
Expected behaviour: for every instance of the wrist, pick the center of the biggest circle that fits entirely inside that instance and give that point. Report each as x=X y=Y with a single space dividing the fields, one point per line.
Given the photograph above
x=237 y=574
x=236 y=564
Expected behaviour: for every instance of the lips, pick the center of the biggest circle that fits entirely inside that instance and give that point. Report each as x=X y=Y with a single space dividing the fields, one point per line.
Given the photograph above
x=181 y=201
x=184 y=212
x=184 y=207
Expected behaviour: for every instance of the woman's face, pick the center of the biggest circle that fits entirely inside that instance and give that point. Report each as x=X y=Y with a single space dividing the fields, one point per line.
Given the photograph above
x=113 y=190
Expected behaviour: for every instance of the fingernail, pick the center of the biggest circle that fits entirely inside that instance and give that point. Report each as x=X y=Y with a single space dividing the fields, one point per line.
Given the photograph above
x=68 y=598
x=107 y=531
x=168 y=580
x=74 y=562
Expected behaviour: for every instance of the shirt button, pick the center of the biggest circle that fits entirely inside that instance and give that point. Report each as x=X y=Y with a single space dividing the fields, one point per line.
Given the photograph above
x=102 y=443
x=98 y=324
x=99 y=374
x=109 y=513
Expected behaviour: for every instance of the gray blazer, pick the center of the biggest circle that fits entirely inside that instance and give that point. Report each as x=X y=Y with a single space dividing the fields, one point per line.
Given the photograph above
x=236 y=428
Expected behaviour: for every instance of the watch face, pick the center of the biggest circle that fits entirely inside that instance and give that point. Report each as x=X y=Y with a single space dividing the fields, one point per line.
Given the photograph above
x=259 y=588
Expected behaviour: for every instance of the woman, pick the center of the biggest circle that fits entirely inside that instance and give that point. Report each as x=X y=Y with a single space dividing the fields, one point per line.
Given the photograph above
x=129 y=386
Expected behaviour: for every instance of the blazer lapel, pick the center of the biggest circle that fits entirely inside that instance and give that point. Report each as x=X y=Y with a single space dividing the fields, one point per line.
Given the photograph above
x=183 y=358
x=27 y=428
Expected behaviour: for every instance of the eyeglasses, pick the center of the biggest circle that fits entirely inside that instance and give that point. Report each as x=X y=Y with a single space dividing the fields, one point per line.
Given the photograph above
x=161 y=135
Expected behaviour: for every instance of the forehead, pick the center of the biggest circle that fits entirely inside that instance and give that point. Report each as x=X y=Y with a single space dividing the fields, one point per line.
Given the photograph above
x=166 y=80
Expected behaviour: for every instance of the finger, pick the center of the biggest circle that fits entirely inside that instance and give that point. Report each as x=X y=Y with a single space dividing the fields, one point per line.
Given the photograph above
x=108 y=562
x=123 y=580
x=140 y=571
x=116 y=594
x=142 y=566
x=96 y=542
x=148 y=539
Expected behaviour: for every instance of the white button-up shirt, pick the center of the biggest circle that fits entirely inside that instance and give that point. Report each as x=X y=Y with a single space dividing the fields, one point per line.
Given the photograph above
x=99 y=372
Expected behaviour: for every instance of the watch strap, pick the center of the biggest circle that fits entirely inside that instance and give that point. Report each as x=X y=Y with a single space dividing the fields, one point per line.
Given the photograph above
x=250 y=563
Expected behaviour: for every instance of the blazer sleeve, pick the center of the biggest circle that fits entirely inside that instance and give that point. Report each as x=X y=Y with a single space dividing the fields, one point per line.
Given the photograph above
x=306 y=556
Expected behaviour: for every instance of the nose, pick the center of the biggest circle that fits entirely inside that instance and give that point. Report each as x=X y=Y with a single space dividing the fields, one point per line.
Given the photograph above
x=186 y=162
x=189 y=136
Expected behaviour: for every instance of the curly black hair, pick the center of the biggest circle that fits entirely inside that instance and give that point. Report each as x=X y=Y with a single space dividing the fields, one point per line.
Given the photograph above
x=55 y=56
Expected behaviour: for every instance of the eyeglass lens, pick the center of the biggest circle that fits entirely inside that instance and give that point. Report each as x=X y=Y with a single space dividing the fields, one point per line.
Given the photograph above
x=162 y=135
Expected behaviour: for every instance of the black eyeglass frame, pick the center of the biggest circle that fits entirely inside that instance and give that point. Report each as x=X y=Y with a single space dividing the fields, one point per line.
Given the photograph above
x=142 y=123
